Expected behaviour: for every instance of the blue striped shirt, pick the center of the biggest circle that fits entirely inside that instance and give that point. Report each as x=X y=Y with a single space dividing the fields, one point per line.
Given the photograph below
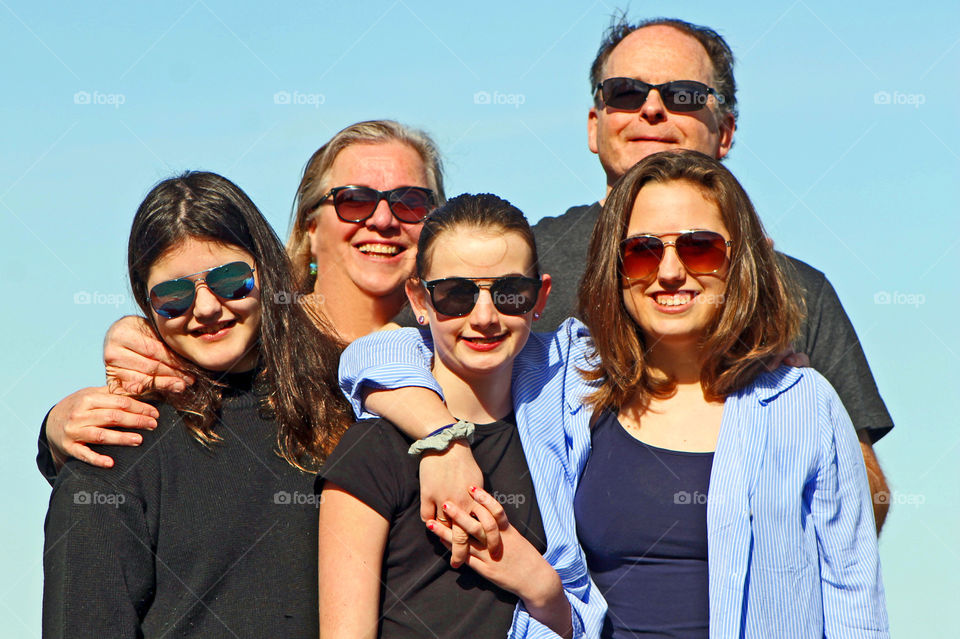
x=792 y=543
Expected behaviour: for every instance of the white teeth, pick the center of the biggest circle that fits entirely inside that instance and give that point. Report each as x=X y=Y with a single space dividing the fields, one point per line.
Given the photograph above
x=678 y=299
x=379 y=249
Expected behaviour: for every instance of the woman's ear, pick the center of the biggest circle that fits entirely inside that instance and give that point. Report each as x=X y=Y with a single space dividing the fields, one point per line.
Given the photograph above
x=418 y=300
x=545 y=287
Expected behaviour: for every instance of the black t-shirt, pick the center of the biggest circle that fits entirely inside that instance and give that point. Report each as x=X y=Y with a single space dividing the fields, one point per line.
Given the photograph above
x=420 y=595
x=827 y=336
x=642 y=521
x=182 y=540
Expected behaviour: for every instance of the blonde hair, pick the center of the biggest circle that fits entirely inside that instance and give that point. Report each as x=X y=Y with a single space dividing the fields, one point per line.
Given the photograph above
x=314 y=185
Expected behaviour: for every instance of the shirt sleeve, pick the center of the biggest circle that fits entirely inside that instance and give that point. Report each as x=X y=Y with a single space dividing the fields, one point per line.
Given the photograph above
x=45 y=463
x=853 y=596
x=384 y=360
x=835 y=351
x=98 y=565
x=368 y=463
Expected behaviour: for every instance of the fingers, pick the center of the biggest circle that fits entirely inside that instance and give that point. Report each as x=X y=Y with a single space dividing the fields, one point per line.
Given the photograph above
x=798 y=360
x=84 y=454
x=492 y=518
x=130 y=344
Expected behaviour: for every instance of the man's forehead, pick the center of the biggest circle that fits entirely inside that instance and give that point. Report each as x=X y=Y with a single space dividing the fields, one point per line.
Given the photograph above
x=659 y=53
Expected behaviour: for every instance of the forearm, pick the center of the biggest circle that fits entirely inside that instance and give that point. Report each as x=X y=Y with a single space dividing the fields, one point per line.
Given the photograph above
x=415 y=410
x=547 y=603
x=879 y=490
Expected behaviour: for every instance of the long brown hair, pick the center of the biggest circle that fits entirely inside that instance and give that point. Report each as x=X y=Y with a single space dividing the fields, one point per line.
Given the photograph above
x=761 y=309
x=298 y=362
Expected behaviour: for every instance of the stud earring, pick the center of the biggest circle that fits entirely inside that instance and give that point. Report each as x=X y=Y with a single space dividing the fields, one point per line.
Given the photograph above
x=421 y=320
x=536 y=316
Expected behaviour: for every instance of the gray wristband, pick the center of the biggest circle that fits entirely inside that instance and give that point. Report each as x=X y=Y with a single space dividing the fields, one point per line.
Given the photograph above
x=441 y=440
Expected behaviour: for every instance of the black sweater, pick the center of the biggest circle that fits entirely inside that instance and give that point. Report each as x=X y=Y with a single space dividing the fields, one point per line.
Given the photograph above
x=182 y=541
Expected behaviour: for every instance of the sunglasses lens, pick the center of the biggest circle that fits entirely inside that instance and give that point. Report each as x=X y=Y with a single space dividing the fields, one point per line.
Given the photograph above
x=624 y=93
x=356 y=203
x=410 y=204
x=702 y=251
x=455 y=297
x=232 y=281
x=684 y=96
x=515 y=295
x=172 y=298
x=640 y=256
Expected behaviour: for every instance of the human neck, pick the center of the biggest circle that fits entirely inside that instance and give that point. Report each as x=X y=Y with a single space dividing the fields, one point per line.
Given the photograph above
x=482 y=399
x=681 y=362
x=352 y=313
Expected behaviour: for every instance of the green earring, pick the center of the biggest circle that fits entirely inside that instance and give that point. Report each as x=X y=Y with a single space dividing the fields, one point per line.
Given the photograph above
x=313 y=268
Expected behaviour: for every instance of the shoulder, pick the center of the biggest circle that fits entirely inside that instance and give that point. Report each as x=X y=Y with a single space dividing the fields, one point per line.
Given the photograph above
x=810 y=278
x=371 y=439
x=796 y=397
x=574 y=214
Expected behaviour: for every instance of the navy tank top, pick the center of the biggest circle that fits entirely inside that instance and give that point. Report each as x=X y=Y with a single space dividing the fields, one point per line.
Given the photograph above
x=642 y=521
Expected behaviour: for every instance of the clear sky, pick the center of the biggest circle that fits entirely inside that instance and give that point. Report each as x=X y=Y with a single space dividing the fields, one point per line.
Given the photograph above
x=847 y=141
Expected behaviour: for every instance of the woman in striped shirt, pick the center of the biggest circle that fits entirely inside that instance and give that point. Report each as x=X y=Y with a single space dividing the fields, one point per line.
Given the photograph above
x=721 y=499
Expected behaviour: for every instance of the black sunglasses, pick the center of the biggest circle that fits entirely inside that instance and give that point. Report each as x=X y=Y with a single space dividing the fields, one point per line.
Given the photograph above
x=680 y=96
x=173 y=298
x=701 y=252
x=456 y=296
x=409 y=204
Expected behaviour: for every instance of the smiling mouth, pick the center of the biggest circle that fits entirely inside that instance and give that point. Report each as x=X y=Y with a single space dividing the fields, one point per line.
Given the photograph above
x=213 y=329
x=671 y=300
x=486 y=340
x=379 y=250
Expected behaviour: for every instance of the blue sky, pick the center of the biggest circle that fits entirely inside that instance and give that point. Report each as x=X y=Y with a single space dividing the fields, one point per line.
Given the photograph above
x=847 y=142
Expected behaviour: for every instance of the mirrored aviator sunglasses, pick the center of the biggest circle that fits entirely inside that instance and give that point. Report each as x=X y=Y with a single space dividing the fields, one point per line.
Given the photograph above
x=679 y=96
x=457 y=296
x=409 y=204
x=173 y=298
x=701 y=252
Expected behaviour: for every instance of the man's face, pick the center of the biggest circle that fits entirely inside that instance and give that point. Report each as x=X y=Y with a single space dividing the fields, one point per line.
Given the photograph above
x=655 y=55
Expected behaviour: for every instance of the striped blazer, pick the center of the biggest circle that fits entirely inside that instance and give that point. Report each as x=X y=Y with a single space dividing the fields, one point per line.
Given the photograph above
x=792 y=547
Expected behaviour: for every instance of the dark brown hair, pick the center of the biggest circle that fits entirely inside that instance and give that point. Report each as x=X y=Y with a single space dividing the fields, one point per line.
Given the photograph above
x=717 y=48
x=758 y=318
x=483 y=212
x=298 y=362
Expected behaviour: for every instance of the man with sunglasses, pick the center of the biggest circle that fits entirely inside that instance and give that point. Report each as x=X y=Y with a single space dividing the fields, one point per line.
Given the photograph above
x=667 y=84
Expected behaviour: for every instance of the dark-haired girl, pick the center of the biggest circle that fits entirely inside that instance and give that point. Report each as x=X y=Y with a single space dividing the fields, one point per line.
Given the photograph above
x=209 y=528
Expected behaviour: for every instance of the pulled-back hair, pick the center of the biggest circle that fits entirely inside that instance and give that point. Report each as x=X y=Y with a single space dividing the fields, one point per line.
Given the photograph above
x=484 y=212
x=313 y=185
x=759 y=315
x=719 y=52
x=298 y=362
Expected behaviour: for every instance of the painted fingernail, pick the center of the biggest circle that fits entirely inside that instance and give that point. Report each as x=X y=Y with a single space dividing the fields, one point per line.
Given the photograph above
x=446 y=506
x=473 y=489
x=430 y=525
